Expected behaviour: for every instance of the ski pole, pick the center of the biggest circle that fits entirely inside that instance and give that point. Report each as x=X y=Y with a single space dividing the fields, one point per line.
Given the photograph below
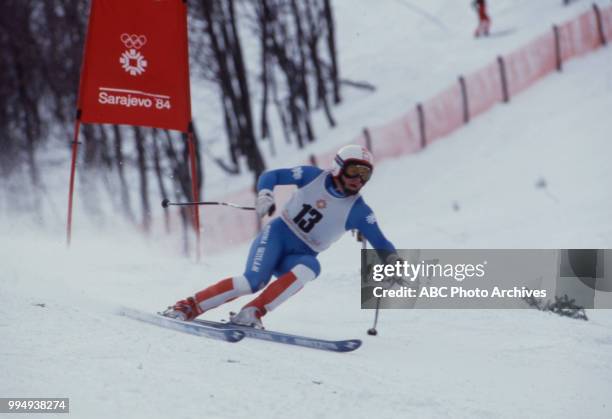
x=166 y=203
x=372 y=331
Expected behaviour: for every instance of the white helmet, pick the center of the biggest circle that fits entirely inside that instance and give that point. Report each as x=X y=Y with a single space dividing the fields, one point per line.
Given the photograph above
x=351 y=154
x=352 y=161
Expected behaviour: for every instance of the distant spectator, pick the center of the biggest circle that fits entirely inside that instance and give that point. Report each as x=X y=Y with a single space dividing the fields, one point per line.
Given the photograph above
x=484 y=22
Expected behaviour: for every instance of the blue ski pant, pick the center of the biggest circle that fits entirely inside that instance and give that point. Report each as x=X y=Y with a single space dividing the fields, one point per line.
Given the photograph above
x=275 y=251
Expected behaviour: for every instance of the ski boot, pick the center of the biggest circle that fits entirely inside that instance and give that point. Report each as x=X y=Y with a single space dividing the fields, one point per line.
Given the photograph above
x=185 y=310
x=248 y=316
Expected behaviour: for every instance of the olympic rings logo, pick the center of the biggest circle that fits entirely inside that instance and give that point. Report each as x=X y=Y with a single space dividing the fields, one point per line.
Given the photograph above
x=133 y=41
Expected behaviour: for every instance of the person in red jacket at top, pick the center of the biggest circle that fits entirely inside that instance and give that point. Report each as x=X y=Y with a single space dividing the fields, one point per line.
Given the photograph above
x=484 y=22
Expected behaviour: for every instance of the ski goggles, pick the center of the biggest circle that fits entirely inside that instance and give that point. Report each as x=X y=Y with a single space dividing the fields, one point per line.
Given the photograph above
x=353 y=171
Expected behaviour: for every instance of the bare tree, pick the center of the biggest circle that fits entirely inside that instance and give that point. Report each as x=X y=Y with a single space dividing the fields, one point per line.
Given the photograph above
x=41 y=47
x=291 y=34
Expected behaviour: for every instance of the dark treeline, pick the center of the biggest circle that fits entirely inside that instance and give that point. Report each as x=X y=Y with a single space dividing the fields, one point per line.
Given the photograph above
x=41 y=46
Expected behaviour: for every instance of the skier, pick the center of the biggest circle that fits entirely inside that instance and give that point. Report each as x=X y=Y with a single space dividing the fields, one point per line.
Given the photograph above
x=484 y=22
x=326 y=204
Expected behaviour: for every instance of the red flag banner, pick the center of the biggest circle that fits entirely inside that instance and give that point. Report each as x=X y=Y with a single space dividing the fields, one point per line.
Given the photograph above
x=136 y=64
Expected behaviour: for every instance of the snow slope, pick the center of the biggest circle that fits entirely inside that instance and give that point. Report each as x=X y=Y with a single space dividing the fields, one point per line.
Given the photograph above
x=409 y=50
x=433 y=363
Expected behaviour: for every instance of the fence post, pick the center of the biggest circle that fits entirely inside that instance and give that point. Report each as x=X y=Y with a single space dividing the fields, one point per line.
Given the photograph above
x=421 y=114
x=504 y=80
x=313 y=160
x=368 y=138
x=600 y=29
x=464 y=96
x=558 y=48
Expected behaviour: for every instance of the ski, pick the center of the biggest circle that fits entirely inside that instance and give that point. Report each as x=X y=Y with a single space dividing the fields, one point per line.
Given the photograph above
x=227 y=334
x=278 y=337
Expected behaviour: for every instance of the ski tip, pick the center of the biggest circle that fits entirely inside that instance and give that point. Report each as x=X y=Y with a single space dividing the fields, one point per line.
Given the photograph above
x=349 y=345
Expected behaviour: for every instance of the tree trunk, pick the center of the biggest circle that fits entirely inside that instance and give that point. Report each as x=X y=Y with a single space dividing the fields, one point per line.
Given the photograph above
x=331 y=46
x=120 y=164
x=142 y=175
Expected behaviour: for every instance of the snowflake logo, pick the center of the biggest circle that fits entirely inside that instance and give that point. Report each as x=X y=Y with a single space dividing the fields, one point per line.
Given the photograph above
x=133 y=62
x=297 y=173
x=371 y=219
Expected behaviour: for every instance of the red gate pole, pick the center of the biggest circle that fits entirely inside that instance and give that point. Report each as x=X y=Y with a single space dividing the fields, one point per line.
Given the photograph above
x=194 y=189
x=75 y=147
